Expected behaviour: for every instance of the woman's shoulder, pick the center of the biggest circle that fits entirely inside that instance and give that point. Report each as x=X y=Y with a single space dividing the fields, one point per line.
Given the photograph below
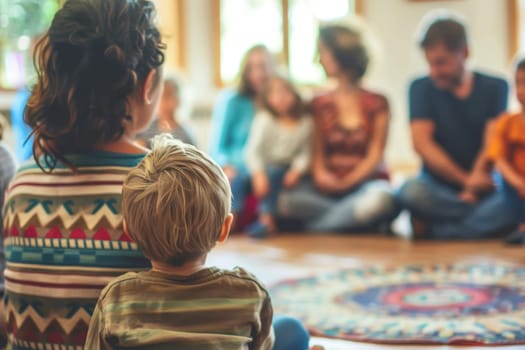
x=320 y=103
x=374 y=101
x=322 y=97
x=233 y=96
x=374 y=96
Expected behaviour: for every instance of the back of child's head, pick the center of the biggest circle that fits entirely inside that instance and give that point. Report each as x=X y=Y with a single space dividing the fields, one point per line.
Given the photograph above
x=297 y=108
x=175 y=202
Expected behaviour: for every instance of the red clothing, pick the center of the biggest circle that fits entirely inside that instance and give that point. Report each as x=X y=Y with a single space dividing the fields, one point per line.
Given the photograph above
x=344 y=148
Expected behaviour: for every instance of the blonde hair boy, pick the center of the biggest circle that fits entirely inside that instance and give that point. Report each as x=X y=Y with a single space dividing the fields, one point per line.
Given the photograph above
x=176 y=203
x=176 y=206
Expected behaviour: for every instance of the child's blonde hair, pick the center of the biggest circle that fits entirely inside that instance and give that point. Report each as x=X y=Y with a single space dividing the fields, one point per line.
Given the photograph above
x=175 y=202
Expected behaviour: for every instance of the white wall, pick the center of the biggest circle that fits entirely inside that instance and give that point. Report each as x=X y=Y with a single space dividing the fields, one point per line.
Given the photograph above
x=199 y=51
x=393 y=24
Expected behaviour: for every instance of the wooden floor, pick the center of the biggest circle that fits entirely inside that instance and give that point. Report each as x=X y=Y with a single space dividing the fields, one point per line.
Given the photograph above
x=289 y=256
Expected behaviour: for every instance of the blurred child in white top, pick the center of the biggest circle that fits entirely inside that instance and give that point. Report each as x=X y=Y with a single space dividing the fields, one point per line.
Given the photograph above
x=278 y=151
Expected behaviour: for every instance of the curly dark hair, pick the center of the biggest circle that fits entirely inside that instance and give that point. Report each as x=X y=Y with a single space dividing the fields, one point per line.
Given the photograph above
x=347 y=48
x=89 y=63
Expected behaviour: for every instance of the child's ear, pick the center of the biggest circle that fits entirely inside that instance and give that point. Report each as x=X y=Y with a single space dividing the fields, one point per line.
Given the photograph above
x=226 y=227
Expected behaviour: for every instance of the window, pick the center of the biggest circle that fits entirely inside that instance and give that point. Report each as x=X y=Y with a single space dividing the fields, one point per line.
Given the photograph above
x=287 y=27
x=521 y=24
x=172 y=27
x=21 y=22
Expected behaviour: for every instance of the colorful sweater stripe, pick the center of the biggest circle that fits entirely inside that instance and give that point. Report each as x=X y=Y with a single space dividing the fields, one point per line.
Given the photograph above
x=63 y=244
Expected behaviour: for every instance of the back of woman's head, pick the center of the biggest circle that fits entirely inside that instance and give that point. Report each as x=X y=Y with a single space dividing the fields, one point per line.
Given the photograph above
x=91 y=61
x=347 y=48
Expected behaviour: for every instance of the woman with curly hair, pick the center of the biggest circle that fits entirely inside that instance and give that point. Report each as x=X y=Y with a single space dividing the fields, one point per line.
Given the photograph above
x=99 y=74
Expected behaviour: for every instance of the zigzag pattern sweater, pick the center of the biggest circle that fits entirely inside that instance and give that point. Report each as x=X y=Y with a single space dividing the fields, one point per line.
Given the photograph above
x=63 y=243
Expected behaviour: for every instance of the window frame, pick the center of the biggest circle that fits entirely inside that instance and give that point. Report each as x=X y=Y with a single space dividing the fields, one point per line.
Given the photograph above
x=513 y=27
x=175 y=36
x=216 y=26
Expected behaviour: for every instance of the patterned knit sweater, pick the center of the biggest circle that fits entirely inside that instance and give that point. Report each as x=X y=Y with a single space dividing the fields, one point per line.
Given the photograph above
x=63 y=244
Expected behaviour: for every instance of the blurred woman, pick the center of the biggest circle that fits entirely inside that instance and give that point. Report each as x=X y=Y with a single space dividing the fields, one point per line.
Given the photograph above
x=232 y=120
x=348 y=190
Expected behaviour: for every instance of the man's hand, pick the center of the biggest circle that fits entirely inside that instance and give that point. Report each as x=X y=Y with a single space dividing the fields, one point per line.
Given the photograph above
x=479 y=182
x=468 y=197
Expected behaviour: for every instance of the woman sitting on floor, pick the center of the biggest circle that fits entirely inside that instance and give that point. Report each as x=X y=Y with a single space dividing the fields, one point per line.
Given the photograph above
x=232 y=120
x=349 y=190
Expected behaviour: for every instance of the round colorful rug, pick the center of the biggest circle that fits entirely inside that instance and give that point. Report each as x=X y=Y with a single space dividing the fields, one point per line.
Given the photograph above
x=446 y=304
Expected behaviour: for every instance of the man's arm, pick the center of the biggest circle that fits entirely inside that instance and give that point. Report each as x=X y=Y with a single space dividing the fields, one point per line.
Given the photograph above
x=433 y=155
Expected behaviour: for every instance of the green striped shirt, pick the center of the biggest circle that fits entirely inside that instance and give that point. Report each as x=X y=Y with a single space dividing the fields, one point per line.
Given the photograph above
x=211 y=309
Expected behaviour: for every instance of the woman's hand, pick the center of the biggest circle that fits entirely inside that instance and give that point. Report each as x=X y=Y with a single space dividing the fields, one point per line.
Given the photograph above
x=291 y=178
x=261 y=185
x=328 y=182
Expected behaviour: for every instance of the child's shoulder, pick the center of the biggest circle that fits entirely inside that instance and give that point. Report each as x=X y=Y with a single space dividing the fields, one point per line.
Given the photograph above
x=264 y=119
x=508 y=118
x=240 y=277
x=119 y=283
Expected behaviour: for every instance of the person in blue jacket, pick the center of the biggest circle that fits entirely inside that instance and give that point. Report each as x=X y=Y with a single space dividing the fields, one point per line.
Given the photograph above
x=232 y=119
x=22 y=131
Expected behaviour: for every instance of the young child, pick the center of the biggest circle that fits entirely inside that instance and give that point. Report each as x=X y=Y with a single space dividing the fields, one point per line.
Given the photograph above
x=167 y=121
x=278 y=151
x=176 y=207
x=507 y=151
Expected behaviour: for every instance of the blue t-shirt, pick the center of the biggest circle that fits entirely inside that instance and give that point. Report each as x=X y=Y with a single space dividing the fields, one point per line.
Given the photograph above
x=459 y=123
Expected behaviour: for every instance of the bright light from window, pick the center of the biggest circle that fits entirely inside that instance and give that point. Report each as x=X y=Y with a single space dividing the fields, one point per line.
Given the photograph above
x=305 y=17
x=23 y=43
x=326 y=11
x=245 y=23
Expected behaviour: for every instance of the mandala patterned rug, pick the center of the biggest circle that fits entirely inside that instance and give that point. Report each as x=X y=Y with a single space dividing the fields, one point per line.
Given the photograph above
x=439 y=304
